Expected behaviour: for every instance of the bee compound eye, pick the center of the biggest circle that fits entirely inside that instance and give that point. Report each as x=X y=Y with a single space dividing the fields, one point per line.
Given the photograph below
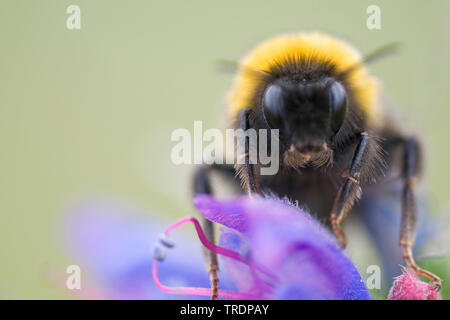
x=338 y=105
x=273 y=104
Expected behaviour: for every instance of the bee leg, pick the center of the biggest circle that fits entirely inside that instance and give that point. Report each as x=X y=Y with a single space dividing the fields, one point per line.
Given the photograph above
x=349 y=191
x=247 y=171
x=411 y=167
x=202 y=185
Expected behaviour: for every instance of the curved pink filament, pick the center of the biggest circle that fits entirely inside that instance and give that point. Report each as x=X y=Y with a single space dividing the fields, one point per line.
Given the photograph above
x=217 y=249
x=204 y=240
x=198 y=291
x=213 y=247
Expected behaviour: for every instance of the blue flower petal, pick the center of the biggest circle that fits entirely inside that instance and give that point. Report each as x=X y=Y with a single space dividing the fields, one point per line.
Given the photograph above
x=113 y=246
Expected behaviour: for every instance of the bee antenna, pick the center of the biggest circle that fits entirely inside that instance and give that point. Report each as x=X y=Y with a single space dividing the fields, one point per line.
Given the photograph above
x=231 y=66
x=376 y=54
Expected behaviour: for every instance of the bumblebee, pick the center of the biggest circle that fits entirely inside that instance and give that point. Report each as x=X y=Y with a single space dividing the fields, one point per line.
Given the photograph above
x=335 y=141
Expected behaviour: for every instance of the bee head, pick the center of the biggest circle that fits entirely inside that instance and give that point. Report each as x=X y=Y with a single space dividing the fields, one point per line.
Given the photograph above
x=307 y=112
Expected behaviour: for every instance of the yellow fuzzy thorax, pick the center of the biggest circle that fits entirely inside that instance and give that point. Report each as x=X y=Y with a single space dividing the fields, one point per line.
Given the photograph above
x=314 y=47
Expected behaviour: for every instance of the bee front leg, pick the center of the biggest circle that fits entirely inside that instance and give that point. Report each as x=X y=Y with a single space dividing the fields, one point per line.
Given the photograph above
x=247 y=171
x=349 y=191
x=411 y=168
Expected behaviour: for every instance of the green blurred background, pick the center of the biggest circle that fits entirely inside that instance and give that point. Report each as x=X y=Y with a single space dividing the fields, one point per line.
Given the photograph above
x=90 y=111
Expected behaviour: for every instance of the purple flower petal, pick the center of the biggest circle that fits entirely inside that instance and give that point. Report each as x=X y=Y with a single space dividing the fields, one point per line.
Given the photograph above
x=230 y=214
x=241 y=273
x=301 y=253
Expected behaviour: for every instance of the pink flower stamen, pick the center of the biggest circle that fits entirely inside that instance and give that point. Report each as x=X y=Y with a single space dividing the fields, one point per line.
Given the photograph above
x=198 y=291
x=204 y=240
x=217 y=249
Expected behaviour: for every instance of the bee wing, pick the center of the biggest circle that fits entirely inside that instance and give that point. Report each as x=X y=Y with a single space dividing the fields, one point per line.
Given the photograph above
x=380 y=209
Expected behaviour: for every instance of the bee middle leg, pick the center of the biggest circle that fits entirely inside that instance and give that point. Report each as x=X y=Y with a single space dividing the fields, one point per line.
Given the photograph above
x=349 y=191
x=202 y=185
x=411 y=168
x=249 y=181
